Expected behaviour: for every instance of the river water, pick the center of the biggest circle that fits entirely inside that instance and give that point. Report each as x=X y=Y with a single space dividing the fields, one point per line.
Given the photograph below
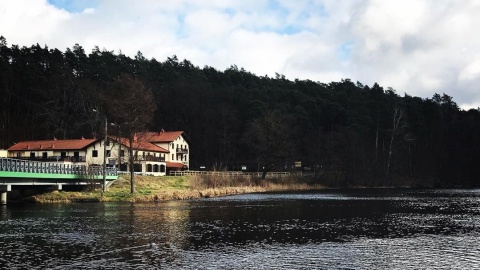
x=334 y=229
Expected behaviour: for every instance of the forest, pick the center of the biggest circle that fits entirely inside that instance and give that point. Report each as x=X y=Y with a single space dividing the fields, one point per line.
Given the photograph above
x=348 y=133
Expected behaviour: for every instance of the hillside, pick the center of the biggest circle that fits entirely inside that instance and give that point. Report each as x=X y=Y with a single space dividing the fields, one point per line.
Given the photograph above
x=365 y=135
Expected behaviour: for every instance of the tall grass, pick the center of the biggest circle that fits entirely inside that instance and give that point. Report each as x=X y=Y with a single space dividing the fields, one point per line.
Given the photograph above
x=155 y=189
x=219 y=181
x=202 y=181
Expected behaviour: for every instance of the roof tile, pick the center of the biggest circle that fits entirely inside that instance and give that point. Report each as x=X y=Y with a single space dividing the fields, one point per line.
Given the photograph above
x=52 y=145
x=175 y=165
x=163 y=136
x=141 y=145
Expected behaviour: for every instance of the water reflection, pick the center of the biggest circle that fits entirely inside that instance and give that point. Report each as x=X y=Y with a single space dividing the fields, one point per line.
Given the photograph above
x=360 y=229
x=4 y=213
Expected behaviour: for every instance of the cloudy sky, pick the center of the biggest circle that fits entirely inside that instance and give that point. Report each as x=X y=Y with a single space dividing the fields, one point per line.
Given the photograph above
x=418 y=47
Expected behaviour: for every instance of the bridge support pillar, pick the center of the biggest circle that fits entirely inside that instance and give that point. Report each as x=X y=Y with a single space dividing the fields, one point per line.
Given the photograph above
x=3 y=199
x=3 y=193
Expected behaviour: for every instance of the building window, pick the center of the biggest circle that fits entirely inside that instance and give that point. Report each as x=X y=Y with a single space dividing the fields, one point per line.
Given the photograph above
x=63 y=154
x=32 y=155
x=19 y=155
x=44 y=155
x=94 y=153
x=137 y=167
x=122 y=153
x=108 y=153
x=173 y=156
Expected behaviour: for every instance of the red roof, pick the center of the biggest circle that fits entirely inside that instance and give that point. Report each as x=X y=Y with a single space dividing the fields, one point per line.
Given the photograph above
x=141 y=145
x=175 y=165
x=52 y=145
x=163 y=136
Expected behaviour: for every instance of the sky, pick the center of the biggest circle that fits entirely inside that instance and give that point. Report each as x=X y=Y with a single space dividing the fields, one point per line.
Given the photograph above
x=418 y=47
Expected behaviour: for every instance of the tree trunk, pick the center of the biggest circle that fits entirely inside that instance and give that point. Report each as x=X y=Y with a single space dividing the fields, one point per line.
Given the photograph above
x=132 y=167
x=398 y=125
x=264 y=172
x=265 y=169
x=390 y=151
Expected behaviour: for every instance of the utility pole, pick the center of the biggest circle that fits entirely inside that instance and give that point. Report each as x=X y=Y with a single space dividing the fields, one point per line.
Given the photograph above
x=104 y=187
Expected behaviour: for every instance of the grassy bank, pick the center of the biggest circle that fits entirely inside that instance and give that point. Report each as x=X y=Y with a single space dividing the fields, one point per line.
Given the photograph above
x=154 y=189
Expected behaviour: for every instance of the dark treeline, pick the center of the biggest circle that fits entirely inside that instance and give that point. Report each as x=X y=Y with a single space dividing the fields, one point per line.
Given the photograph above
x=349 y=133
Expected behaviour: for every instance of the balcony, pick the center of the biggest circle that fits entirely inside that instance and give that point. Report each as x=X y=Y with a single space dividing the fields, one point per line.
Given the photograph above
x=182 y=151
x=56 y=159
x=152 y=158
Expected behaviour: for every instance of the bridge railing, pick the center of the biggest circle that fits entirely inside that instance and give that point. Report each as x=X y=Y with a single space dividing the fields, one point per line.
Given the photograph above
x=28 y=166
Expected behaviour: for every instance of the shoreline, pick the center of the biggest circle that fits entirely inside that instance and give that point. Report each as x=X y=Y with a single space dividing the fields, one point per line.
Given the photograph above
x=81 y=197
x=150 y=189
x=165 y=188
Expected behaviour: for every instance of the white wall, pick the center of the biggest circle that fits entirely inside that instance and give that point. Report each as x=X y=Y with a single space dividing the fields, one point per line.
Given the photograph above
x=50 y=153
x=115 y=149
x=179 y=142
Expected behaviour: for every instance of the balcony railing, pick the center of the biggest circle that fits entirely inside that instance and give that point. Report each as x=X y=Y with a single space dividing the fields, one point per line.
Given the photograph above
x=55 y=158
x=151 y=158
x=182 y=151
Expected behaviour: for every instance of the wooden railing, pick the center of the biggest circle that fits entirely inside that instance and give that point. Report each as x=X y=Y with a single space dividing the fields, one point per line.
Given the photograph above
x=230 y=173
x=55 y=159
x=182 y=151
x=151 y=158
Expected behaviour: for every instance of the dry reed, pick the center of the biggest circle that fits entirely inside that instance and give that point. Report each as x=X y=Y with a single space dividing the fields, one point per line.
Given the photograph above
x=155 y=189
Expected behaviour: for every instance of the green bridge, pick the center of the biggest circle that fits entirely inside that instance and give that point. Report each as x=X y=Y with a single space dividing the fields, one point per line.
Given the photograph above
x=18 y=172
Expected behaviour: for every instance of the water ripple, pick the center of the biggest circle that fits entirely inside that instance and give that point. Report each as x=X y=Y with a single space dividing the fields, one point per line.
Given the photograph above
x=371 y=229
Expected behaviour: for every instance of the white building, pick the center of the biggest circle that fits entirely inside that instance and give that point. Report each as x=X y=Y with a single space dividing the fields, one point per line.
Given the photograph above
x=66 y=151
x=177 y=144
x=149 y=158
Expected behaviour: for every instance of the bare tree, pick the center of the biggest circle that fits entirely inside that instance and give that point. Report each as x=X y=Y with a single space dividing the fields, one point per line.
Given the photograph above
x=271 y=139
x=398 y=127
x=130 y=105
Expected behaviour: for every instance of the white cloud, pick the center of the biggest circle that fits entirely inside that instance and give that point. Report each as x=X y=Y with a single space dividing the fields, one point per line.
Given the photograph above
x=30 y=21
x=415 y=46
x=471 y=71
x=89 y=11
